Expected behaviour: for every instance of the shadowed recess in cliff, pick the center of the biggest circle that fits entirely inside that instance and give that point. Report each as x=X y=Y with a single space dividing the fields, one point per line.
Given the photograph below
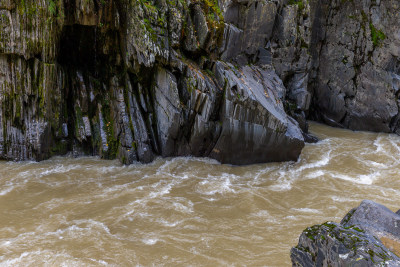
x=91 y=49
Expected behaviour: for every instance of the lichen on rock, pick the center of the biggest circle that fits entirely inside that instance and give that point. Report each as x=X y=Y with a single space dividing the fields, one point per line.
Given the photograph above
x=367 y=236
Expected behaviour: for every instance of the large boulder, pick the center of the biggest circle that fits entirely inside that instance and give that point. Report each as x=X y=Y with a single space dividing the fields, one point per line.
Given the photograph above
x=255 y=127
x=238 y=118
x=368 y=235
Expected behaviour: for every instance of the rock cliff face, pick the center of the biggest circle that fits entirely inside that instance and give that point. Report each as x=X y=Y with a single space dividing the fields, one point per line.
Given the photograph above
x=133 y=79
x=232 y=80
x=367 y=236
x=356 y=64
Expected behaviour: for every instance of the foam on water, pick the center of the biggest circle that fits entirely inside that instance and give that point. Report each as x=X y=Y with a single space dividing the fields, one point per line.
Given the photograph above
x=61 y=168
x=159 y=192
x=316 y=174
x=365 y=179
x=79 y=227
x=169 y=223
x=150 y=241
x=6 y=190
x=323 y=161
x=342 y=199
x=183 y=205
x=283 y=184
x=290 y=173
x=216 y=186
x=395 y=142
x=183 y=211
x=306 y=210
x=375 y=164
x=48 y=258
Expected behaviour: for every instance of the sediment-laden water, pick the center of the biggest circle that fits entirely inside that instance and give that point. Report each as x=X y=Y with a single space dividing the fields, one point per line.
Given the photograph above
x=188 y=211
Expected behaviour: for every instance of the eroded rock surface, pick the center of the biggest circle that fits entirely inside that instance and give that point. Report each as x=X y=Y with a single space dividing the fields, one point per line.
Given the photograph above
x=133 y=79
x=356 y=64
x=367 y=236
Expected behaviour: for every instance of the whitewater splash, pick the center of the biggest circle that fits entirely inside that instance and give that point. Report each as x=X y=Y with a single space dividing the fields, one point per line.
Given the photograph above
x=188 y=211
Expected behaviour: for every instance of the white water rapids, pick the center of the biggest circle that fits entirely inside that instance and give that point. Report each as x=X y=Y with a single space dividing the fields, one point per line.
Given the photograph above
x=188 y=211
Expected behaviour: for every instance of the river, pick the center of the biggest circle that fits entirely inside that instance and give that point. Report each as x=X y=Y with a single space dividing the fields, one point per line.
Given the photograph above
x=188 y=211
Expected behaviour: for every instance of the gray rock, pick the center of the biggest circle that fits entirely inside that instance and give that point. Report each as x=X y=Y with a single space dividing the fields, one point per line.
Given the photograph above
x=200 y=25
x=86 y=124
x=142 y=139
x=253 y=118
x=355 y=79
x=232 y=42
x=167 y=111
x=132 y=80
x=249 y=25
x=374 y=218
x=103 y=135
x=126 y=149
x=65 y=129
x=367 y=236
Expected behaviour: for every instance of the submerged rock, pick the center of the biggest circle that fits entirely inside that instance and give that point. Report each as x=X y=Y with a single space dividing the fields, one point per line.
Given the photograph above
x=368 y=235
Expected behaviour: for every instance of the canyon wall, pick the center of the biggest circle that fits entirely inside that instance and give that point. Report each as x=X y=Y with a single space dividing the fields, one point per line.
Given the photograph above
x=231 y=80
x=356 y=65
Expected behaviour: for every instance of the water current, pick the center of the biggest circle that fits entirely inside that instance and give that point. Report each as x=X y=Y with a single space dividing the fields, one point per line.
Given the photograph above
x=188 y=211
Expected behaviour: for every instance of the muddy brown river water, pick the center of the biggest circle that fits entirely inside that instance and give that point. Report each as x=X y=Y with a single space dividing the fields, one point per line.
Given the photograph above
x=188 y=211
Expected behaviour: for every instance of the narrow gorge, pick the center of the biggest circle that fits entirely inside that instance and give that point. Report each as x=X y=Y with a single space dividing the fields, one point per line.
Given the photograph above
x=233 y=80
x=153 y=83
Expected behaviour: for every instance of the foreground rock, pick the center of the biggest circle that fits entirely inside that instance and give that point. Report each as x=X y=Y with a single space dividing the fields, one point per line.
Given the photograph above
x=367 y=236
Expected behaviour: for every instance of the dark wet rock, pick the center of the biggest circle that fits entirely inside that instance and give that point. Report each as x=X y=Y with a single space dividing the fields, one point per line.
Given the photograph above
x=357 y=65
x=142 y=138
x=253 y=118
x=310 y=138
x=233 y=80
x=249 y=26
x=367 y=236
x=132 y=80
x=200 y=25
x=167 y=111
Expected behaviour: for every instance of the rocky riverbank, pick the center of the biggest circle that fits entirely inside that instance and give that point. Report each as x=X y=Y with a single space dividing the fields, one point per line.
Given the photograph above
x=368 y=235
x=230 y=80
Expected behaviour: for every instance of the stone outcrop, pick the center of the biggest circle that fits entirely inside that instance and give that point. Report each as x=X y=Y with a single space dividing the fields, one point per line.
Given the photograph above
x=254 y=123
x=134 y=79
x=356 y=59
x=367 y=236
x=276 y=34
x=233 y=80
